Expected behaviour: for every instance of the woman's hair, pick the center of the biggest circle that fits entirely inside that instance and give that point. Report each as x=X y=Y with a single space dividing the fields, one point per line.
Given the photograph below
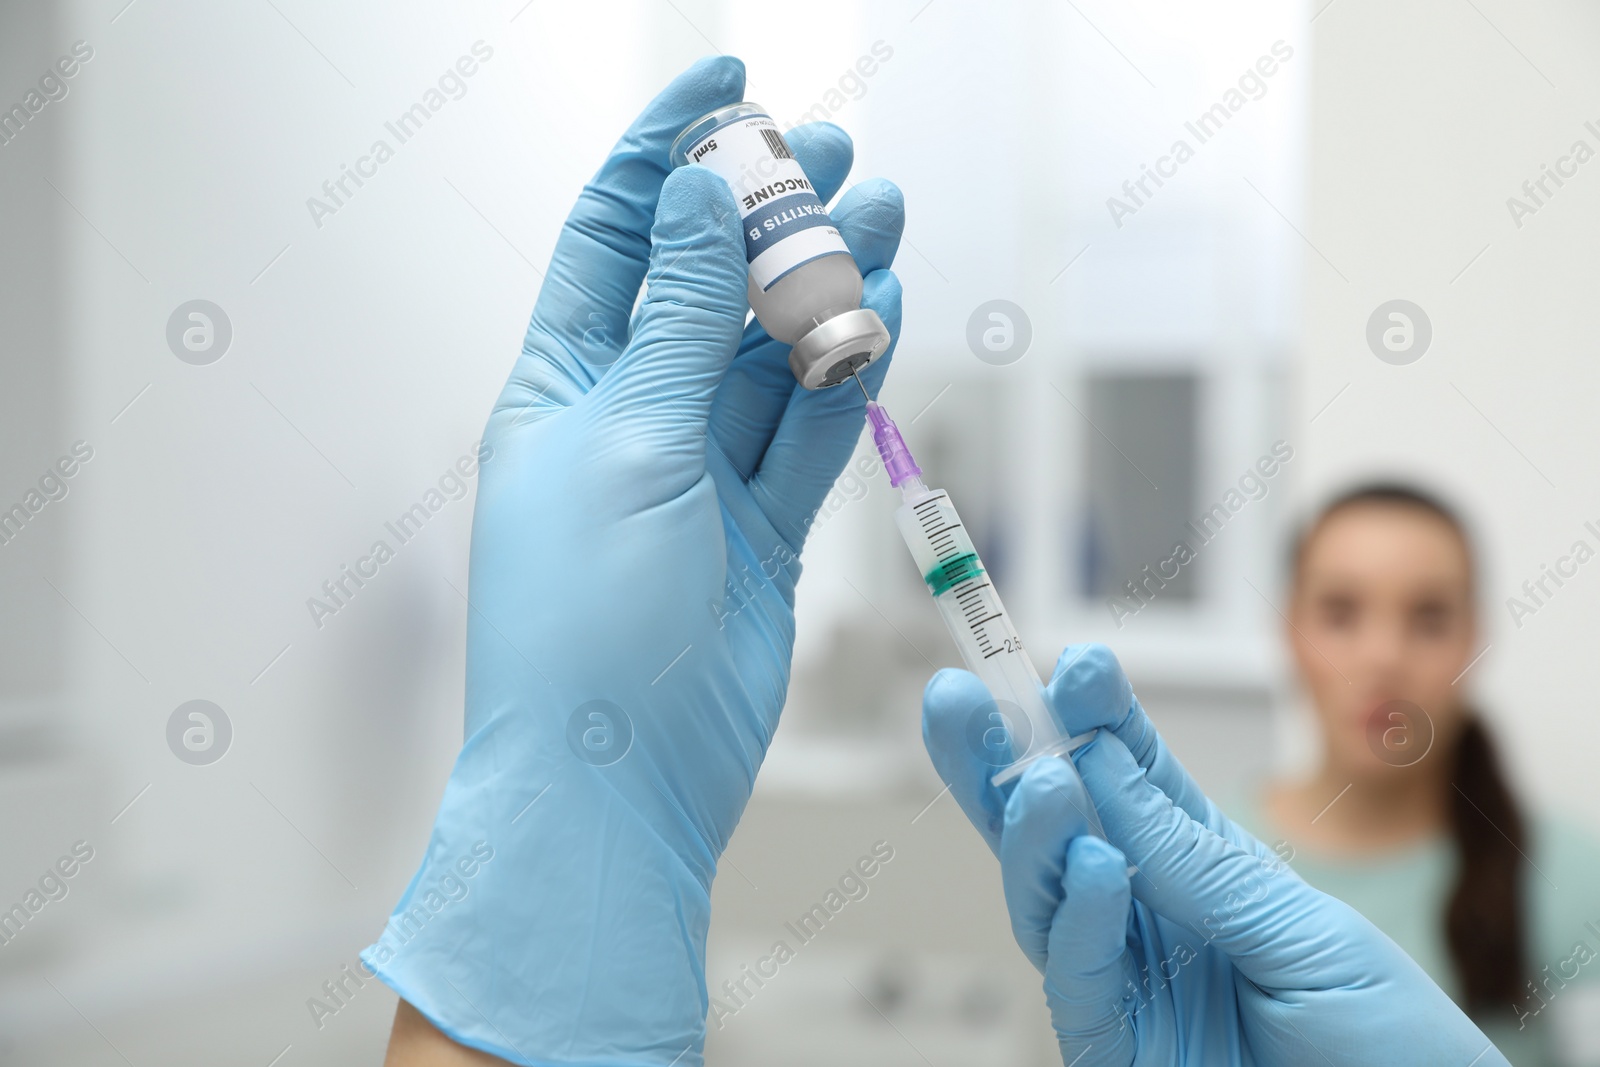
x=1484 y=924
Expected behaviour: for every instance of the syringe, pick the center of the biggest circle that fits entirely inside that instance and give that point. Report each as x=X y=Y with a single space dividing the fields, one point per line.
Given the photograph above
x=1019 y=728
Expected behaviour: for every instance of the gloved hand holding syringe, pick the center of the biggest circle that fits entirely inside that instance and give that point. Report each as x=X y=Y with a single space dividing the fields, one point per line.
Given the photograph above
x=1019 y=728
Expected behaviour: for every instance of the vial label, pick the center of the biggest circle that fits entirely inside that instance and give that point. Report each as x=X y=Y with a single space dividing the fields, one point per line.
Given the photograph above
x=785 y=224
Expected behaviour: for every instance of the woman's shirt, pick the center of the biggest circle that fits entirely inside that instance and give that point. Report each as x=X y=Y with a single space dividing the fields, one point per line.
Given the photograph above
x=1405 y=893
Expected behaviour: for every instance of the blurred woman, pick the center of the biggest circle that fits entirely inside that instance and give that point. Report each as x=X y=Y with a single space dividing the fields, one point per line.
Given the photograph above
x=1410 y=817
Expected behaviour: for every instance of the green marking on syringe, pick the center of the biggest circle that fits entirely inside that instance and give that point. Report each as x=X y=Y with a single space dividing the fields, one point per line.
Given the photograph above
x=952 y=572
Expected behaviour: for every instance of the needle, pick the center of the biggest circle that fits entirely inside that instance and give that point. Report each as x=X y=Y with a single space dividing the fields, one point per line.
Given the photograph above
x=857 y=377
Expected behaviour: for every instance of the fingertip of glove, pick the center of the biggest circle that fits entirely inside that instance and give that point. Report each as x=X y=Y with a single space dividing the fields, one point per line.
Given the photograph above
x=881 y=291
x=879 y=194
x=696 y=189
x=1046 y=785
x=881 y=285
x=1089 y=688
x=696 y=213
x=719 y=77
x=947 y=685
x=697 y=279
x=823 y=137
x=1096 y=860
x=708 y=84
x=947 y=701
x=876 y=206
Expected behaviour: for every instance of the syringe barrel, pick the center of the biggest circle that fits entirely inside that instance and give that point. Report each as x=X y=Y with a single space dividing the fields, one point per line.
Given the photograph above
x=1026 y=724
x=1020 y=727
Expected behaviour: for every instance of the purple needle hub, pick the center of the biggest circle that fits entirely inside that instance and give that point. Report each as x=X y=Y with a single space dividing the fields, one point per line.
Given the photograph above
x=897 y=458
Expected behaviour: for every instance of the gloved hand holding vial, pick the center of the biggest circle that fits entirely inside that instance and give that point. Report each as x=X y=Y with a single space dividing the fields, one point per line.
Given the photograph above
x=635 y=548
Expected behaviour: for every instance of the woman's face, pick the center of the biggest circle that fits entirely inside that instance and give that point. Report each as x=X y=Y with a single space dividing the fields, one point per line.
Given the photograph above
x=1382 y=623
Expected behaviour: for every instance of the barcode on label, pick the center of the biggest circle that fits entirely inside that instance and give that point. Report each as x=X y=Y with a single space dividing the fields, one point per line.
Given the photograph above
x=776 y=143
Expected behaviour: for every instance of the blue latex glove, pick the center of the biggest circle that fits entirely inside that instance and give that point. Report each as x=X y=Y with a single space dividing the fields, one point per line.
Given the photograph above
x=644 y=496
x=1216 y=952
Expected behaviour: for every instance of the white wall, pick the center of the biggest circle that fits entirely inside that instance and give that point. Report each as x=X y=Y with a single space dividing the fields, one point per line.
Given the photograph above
x=1426 y=117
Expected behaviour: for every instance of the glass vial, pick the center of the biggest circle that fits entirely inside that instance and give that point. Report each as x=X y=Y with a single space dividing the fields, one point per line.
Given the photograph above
x=805 y=287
